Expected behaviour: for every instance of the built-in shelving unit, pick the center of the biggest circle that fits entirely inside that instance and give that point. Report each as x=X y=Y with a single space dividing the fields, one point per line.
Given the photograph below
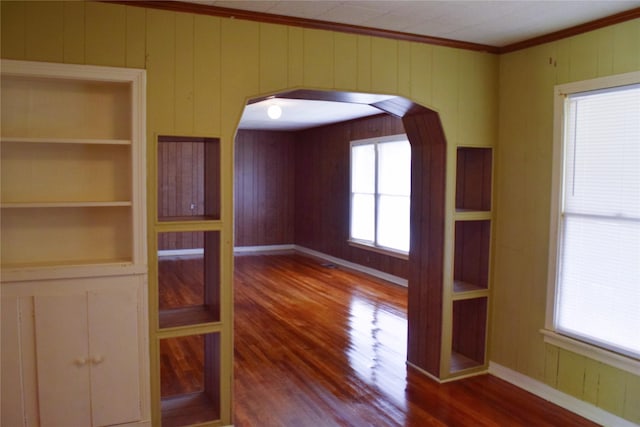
x=189 y=179
x=469 y=334
x=473 y=179
x=471 y=255
x=73 y=251
x=67 y=167
x=469 y=296
x=203 y=304
x=189 y=240
x=201 y=403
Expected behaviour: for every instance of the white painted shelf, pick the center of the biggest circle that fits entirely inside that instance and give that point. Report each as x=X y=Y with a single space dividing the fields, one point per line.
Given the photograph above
x=87 y=141
x=88 y=204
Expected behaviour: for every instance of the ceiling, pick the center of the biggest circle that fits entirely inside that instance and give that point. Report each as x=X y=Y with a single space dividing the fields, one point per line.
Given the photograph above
x=300 y=114
x=490 y=22
x=495 y=23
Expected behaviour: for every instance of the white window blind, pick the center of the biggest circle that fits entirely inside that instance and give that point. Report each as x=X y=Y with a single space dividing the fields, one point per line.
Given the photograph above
x=363 y=192
x=380 y=192
x=598 y=278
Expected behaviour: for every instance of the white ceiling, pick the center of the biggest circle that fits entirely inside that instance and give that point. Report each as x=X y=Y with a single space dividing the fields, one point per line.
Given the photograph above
x=496 y=23
x=490 y=22
x=302 y=114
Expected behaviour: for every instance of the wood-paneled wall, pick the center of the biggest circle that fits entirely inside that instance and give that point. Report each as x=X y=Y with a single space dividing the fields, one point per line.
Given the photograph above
x=264 y=188
x=180 y=189
x=293 y=187
x=323 y=190
x=322 y=205
x=425 y=308
x=188 y=186
x=180 y=178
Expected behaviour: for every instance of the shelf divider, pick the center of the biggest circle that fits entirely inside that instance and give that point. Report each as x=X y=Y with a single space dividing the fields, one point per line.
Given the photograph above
x=87 y=141
x=460 y=362
x=87 y=204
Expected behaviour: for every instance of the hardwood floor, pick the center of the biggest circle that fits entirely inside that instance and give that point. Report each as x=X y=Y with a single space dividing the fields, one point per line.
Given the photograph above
x=319 y=346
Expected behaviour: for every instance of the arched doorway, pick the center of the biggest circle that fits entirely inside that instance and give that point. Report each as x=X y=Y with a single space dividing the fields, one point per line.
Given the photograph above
x=428 y=176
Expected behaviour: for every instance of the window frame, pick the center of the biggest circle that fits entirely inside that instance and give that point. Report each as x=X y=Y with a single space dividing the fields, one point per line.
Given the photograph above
x=363 y=244
x=551 y=335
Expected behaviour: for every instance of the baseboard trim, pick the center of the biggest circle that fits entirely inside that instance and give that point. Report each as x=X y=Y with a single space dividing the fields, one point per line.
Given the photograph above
x=577 y=406
x=179 y=252
x=353 y=266
x=245 y=250
x=265 y=249
x=146 y=423
x=423 y=372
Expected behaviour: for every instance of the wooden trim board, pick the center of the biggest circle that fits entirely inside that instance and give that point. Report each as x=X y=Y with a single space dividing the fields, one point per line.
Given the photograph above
x=377 y=32
x=557 y=397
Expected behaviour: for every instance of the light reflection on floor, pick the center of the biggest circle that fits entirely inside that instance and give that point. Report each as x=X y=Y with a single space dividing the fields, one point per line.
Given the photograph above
x=378 y=347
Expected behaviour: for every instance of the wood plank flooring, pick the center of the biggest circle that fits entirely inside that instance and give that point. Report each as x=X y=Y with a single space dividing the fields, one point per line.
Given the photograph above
x=318 y=346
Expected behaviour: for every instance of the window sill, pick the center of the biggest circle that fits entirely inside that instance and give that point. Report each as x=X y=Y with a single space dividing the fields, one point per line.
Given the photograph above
x=607 y=357
x=383 y=251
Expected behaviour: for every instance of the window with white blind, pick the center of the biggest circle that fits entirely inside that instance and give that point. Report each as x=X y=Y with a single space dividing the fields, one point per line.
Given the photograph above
x=595 y=265
x=380 y=192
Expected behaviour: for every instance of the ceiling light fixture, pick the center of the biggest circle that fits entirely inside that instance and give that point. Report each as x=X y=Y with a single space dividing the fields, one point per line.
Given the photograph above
x=274 y=112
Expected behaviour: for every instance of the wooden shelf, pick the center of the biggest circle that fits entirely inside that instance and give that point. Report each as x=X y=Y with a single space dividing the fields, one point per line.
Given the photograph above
x=188 y=178
x=190 y=409
x=465 y=290
x=471 y=253
x=460 y=286
x=473 y=178
x=200 y=289
x=87 y=141
x=471 y=215
x=21 y=272
x=469 y=329
x=188 y=218
x=461 y=296
x=66 y=235
x=28 y=205
x=460 y=362
x=76 y=263
x=68 y=108
x=186 y=316
x=196 y=401
x=47 y=173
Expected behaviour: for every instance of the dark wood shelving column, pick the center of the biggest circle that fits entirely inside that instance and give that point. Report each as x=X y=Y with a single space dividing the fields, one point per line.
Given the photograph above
x=189 y=236
x=469 y=291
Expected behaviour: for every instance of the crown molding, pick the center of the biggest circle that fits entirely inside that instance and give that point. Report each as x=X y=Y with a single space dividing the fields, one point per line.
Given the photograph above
x=202 y=9
x=573 y=31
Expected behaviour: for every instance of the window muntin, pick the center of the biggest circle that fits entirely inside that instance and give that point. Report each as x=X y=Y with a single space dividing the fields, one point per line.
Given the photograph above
x=596 y=264
x=380 y=192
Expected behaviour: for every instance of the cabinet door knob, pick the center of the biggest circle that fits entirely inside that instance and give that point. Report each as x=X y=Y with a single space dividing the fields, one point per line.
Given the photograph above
x=81 y=361
x=97 y=360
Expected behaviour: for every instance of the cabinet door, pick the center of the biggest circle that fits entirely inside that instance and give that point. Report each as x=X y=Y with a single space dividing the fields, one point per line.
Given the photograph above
x=88 y=357
x=11 y=409
x=62 y=360
x=113 y=345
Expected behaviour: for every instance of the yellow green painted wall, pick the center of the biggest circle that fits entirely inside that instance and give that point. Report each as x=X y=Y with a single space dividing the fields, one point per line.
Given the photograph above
x=202 y=69
x=522 y=190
